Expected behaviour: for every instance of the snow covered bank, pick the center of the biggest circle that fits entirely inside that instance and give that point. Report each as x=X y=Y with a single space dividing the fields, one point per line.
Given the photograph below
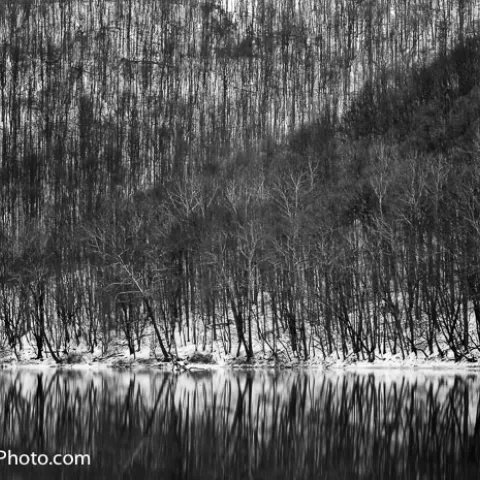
x=190 y=359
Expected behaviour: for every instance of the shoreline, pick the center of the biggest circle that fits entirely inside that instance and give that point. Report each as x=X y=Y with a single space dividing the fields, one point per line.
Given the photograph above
x=153 y=365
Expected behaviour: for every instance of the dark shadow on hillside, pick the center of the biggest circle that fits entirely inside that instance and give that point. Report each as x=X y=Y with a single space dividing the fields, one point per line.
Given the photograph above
x=433 y=107
x=431 y=110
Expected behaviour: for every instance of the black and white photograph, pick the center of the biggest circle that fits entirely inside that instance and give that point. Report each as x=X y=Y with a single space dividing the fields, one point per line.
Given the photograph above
x=240 y=239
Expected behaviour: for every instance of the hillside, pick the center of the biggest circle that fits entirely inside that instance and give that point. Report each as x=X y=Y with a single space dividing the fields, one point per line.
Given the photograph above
x=275 y=178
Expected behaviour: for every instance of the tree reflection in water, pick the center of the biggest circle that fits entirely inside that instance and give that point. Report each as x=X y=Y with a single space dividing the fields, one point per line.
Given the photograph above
x=242 y=425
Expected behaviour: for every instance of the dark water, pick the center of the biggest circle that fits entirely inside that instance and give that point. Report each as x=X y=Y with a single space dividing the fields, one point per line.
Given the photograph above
x=245 y=425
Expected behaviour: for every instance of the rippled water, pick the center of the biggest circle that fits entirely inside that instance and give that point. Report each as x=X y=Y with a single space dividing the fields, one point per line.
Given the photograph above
x=242 y=425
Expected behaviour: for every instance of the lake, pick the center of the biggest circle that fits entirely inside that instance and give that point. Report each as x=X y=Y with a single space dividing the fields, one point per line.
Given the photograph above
x=270 y=425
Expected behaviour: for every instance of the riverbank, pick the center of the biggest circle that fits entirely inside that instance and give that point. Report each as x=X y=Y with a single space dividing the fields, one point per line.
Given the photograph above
x=189 y=359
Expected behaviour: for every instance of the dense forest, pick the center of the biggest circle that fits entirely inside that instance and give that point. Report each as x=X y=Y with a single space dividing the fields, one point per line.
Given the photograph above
x=294 y=174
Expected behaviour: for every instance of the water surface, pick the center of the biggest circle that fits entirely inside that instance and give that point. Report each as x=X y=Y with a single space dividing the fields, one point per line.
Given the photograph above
x=242 y=425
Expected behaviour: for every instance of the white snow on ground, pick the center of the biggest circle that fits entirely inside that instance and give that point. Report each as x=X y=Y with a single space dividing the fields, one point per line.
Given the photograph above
x=149 y=357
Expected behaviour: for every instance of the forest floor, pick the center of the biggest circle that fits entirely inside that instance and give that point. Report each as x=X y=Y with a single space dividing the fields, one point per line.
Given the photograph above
x=189 y=358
